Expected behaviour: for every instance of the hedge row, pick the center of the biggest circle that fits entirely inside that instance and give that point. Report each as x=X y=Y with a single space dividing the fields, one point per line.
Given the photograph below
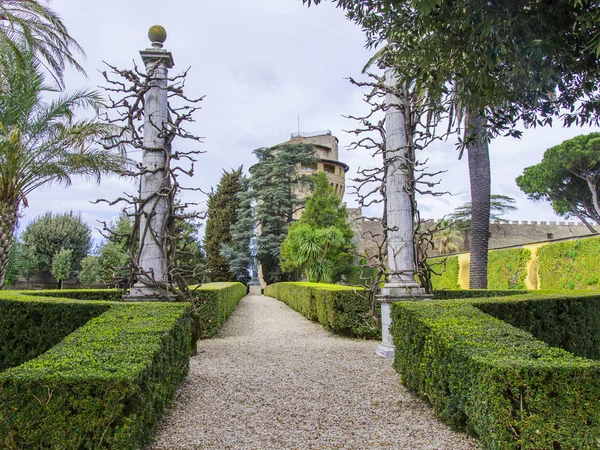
x=510 y=389
x=102 y=386
x=475 y=293
x=570 y=265
x=30 y=327
x=215 y=302
x=342 y=309
x=560 y=320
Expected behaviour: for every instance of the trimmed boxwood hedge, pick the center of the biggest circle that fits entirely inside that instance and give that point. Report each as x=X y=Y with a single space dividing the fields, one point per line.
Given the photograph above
x=475 y=293
x=510 y=389
x=31 y=326
x=215 y=302
x=570 y=265
x=102 y=386
x=341 y=309
x=113 y=295
x=560 y=320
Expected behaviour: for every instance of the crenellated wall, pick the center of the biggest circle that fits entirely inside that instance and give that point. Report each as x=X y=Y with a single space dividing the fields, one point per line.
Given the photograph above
x=368 y=233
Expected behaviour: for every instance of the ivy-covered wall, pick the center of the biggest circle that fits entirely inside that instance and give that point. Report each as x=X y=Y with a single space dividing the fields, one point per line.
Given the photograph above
x=570 y=265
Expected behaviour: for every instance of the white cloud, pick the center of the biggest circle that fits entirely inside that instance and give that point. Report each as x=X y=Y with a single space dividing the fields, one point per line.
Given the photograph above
x=260 y=65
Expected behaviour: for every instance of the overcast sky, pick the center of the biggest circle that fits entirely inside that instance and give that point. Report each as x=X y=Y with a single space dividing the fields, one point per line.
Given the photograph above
x=260 y=64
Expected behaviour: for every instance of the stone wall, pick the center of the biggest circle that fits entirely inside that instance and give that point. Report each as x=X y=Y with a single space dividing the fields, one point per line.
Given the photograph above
x=369 y=233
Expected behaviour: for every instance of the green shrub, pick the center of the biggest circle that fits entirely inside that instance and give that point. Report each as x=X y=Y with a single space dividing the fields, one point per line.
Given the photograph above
x=570 y=264
x=474 y=293
x=104 y=385
x=30 y=326
x=445 y=274
x=571 y=323
x=113 y=295
x=215 y=302
x=511 y=390
x=342 y=309
x=507 y=268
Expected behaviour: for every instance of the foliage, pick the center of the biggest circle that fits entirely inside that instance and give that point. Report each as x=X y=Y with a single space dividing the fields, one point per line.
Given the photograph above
x=511 y=390
x=47 y=235
x=215 y=302
x=112 y=295
x=444 y=272
x=90 y=271
x=13 y=267
x=569 y=178
x=308 y=249
x=571 y=323
x=508 y=268
x=29 y=262
x=191 y=259
x=499 y=205
x=62 y=265
x=271 y=194
x=91 y=391
x=32 y=25
x=341 y=309
x=570 y=265
x=114 y=253
x=221 y=214
x=30 y=326
x=239 y=254
x=447 y=238
x=320 y=243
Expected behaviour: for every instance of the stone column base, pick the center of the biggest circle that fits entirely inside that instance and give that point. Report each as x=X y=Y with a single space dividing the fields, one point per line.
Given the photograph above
x=147 y=294
x=391 y=293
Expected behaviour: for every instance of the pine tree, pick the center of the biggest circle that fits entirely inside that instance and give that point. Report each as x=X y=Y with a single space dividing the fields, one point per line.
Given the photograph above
x=271 y=194
x=222 y=208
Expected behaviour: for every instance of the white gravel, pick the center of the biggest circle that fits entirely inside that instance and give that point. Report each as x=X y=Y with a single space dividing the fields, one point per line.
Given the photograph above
x=271 y=379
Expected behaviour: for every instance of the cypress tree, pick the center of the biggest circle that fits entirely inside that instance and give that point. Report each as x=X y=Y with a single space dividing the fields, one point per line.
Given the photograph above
x=222 y=208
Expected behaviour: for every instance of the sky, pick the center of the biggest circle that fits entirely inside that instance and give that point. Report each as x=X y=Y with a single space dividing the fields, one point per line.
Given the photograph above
x=261 y=64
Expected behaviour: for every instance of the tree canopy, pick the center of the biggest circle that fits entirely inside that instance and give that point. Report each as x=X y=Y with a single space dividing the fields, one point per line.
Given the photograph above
x=47 y=235
x=221 y=214
x=320 y=243
x=267 y=205
x=569 y=177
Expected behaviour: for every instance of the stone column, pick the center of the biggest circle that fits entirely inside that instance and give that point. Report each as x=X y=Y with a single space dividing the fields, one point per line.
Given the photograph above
x=153 y=242
x=401 y=284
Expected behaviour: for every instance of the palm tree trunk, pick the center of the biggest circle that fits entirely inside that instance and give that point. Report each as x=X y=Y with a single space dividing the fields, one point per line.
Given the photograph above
x=8 y=218
x=480 y=179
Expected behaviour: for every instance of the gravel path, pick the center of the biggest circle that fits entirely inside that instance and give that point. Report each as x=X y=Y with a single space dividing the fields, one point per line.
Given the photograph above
x=273 y=380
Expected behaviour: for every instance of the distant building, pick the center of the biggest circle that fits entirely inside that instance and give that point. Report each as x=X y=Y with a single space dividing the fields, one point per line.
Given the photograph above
x=326 y=147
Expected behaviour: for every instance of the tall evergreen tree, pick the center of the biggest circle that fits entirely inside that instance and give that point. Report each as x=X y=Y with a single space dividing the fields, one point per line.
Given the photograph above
x=325 y=211
x=272 y=188
x=221 y=214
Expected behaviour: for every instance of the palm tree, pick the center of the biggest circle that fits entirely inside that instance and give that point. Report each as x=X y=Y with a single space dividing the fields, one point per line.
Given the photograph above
x=42 y=143
x=30 y=25
x=306 y=248
x=447 y=238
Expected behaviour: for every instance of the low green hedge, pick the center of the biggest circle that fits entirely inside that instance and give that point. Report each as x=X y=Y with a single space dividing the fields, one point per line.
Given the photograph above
x=31 y=326
x=510 y=389
x=113 y=295
x=102 y=386
x=560 y=320
x=445 y=274
x=475 y=293
x=341 y=309
x=570 y=265
x=215 y=302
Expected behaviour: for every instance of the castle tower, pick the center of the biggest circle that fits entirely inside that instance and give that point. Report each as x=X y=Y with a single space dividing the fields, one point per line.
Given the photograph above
x=326 y=148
